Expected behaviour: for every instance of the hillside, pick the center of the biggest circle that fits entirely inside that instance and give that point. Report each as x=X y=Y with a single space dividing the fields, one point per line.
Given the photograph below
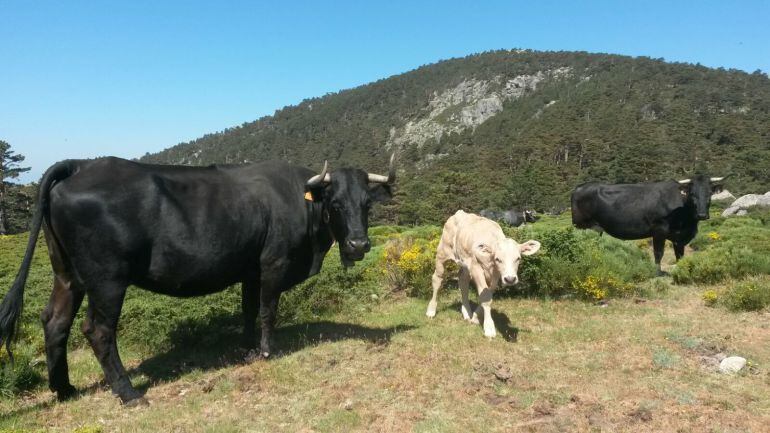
x=518 y=127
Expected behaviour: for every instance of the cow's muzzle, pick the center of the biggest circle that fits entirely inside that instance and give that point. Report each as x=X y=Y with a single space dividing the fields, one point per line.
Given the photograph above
x=510 y=280
x=355 y=249
x=703 y=216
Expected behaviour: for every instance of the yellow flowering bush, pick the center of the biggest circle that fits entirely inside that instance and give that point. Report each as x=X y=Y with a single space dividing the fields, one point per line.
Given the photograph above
x=714 y=236
x=408 y=262
x=710 y=298
x=596 y=288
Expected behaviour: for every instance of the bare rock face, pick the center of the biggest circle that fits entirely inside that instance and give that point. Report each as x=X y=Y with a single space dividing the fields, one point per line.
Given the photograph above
x=724 y=195
x=739 y=207
x=468 y=105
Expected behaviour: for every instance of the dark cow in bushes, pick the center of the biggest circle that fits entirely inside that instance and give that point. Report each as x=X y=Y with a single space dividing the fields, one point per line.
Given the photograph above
x=183 y=231
x=661 y=210
x=513 y=217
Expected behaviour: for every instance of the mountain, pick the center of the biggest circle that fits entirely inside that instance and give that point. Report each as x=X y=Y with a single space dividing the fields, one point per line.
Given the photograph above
x=518 y=128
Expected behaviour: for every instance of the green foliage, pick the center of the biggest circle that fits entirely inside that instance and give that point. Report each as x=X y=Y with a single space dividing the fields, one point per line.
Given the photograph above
x=24 y=374
x=615 y=118
x=582 y=264
x=752 y=294
x=728 y=248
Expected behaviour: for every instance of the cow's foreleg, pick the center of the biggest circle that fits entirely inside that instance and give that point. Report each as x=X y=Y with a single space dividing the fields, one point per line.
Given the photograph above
x=463 y=281
x=678 y=250
x=268 y=309
x=57 y=321
x=485 y=303
x=250 y=307
x=658 y=244
x=100 y=328
x=436 y=281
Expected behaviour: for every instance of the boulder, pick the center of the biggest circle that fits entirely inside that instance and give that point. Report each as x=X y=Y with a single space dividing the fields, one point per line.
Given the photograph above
x=724 y=195
x=732 y=364
x=739 y=207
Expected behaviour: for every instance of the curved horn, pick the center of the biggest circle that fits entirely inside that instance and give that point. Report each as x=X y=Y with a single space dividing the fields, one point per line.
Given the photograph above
x=318 y=179
x=719 y=179
x=685 y=181
x=390 y=178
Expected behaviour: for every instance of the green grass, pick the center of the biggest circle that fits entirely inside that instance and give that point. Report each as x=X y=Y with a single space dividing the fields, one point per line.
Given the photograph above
x=347 y=335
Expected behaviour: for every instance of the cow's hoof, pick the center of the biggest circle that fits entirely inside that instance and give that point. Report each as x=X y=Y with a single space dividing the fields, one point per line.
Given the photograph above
x=431 y=313
x=474 y=320
x=66 y=393
x=490 y=335
x=265 y=355
x=137 y=402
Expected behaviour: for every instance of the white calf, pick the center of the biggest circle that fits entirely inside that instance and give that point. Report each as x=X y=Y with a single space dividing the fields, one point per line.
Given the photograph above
x=484 y=255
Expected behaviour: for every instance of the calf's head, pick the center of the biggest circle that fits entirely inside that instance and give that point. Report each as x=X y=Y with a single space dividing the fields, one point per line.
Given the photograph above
x=698 y=191
x=505 y=257
x=347 y=194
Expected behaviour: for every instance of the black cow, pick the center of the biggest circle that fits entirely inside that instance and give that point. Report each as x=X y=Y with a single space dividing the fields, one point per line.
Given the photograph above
x=511 y=217
x=183 y=231
x=661 y=210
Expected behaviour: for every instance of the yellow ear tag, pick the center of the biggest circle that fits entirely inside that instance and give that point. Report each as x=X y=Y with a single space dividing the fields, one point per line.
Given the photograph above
x=308 y=196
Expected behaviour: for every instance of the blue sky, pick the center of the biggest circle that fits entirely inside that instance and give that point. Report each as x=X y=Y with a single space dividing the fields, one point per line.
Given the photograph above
x=83 y=79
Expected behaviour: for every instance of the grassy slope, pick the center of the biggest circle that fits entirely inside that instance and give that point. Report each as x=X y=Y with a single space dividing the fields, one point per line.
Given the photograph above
x=573 y=366
x=634 y=364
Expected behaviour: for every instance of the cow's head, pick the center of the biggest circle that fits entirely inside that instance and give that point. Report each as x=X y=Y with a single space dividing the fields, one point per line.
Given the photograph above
x=506 y=256
x=698 y=191
x=347 y=194
x=530 y=216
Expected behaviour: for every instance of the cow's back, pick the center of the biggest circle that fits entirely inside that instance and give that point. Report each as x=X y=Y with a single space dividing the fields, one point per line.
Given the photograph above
x=626 y=211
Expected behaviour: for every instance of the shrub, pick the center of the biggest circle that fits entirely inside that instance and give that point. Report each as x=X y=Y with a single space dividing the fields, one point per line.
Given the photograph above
x=408 y=262
x=752 y=294
x=727 y=248
x=24 y=374
x=710 y=298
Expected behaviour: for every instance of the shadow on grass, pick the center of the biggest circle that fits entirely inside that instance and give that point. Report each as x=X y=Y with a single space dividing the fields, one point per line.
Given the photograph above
x=224 y=346
x=503 y=324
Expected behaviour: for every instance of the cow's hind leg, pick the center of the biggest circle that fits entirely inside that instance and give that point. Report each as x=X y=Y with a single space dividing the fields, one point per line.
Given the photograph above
x=658 y=244
x=57 y=322
x=464 y=281
x=100 y=328
x=250 y=306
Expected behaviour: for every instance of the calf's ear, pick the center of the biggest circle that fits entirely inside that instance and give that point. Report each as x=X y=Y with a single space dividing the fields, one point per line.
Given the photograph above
x=380 y=192
x=530 y=247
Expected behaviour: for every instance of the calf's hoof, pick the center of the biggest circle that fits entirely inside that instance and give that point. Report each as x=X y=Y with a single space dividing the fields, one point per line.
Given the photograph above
x=474 y=320
x=490 y=334
x=430 y=313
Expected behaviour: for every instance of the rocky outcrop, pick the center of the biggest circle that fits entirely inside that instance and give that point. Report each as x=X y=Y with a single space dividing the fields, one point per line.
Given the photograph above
x=724 y=195
x=468 y=105
x=740 y=206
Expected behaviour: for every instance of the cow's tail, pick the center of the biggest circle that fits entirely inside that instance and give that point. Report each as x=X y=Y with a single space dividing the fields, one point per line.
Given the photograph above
x=12 y=304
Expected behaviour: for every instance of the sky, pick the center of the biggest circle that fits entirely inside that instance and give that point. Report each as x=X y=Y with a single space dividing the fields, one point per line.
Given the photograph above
x=81 y=79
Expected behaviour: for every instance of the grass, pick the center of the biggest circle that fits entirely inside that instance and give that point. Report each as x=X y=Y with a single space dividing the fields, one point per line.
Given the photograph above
x=355 y=355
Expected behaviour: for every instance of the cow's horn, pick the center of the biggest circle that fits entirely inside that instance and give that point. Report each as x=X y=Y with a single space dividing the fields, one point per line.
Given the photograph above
x=718 y=179
x=318 y=179
x=390 y=178
x=684 y=181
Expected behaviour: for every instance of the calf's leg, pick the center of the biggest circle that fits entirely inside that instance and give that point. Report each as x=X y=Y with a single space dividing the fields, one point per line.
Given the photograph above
x=436 y=281
x=463 y=282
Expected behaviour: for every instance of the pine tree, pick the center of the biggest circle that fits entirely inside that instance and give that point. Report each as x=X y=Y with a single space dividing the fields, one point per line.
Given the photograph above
x=9 y=169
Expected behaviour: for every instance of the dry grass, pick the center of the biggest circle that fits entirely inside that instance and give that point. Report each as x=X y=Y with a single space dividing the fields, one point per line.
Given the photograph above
x=560 y=366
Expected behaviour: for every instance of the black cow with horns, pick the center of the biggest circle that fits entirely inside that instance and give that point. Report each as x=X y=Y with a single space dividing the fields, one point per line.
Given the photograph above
x=183 y=231
x=661 y=210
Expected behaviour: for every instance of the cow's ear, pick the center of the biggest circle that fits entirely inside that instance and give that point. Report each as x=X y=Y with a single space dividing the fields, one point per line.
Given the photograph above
x=684 y=188
x=315 y=193
x=380 y=192
x=530 y=247
x=716 y=188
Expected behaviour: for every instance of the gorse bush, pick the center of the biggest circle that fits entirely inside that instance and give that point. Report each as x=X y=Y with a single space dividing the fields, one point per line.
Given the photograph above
x=728 y=248
x=752 y=294
x=408 y=263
